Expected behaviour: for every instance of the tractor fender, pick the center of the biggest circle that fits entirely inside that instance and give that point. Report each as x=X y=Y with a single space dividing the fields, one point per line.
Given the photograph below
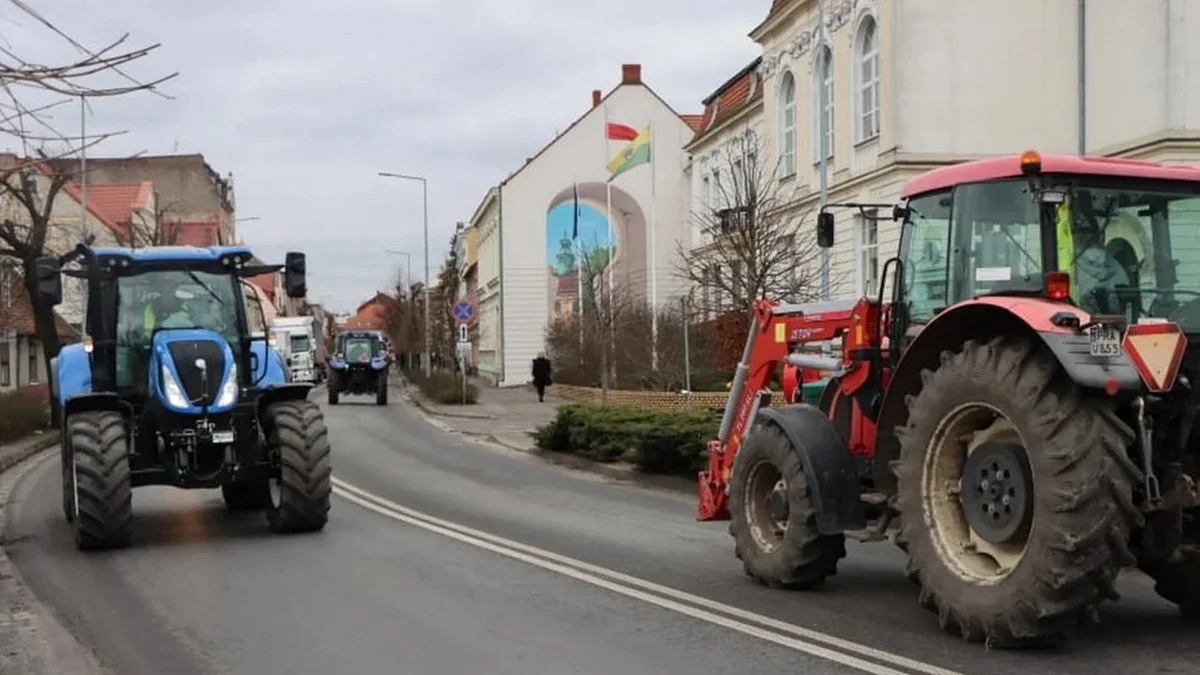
x=833 y=481
x=297 y=391
x=92 y=402
x=70 y=373
x=988 y=317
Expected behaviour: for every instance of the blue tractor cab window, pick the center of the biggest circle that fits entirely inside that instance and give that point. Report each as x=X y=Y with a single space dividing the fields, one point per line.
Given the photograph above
x=166 y=300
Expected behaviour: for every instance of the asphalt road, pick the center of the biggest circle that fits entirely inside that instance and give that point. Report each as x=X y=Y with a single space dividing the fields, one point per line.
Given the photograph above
x=444 y=556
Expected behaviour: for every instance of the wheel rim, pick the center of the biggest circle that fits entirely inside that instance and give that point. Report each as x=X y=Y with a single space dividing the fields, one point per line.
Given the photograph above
x=74 y=487
x=766 y=506
x=977 y=492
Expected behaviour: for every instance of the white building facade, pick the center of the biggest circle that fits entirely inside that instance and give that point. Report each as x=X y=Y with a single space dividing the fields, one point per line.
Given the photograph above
x=486 y=221
x=629 y=227
x=921 y=83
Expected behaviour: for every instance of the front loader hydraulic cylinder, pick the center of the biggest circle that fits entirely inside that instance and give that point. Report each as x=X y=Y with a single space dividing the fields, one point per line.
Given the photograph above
x=739 y=383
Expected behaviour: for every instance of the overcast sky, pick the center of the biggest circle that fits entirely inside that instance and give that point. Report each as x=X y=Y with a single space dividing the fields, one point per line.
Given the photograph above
x=304 y=101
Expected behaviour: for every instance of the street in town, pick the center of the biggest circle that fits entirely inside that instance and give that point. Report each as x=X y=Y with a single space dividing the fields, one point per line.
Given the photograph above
x=447 y=554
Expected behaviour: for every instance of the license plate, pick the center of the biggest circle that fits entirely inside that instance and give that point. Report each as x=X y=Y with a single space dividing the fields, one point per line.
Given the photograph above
x=222 y=437
x=1104 y=341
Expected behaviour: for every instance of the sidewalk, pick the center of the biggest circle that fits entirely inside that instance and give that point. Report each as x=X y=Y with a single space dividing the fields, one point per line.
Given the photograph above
x=12 y=454
x=504 y=415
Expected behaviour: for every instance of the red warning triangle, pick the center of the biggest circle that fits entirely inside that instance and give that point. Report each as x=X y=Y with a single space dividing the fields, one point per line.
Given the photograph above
x=1156 y=350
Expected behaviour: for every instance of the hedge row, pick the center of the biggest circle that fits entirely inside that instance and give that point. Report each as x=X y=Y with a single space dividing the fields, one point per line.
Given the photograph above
x=23 y=412
x=443 y=388
x=664 y=442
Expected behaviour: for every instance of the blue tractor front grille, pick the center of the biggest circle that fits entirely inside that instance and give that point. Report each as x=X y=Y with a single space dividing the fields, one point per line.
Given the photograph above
x=187 y=354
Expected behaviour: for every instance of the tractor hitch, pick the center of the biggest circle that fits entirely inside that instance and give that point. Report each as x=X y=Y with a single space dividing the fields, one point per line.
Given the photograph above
x=1145 y=447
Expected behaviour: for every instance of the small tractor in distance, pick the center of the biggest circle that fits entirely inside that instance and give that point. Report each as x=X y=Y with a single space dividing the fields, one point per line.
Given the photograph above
x=359 y=366
x=1017 y=416
x=168 y=387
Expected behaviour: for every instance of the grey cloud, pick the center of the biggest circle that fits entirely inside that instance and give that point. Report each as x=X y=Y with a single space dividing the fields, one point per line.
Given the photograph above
x=306 y=101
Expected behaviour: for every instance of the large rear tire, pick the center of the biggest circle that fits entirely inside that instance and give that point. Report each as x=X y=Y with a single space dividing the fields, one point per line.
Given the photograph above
x=298 y=501
x=381 y=393
x=103 y=496
x=772 y=518
x=1029 y=537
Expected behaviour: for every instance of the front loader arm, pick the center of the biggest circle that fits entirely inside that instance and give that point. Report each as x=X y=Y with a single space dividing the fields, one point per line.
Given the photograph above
x=774 y=330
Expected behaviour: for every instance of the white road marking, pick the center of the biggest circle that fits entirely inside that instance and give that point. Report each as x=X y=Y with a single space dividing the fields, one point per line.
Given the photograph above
x=815 y=643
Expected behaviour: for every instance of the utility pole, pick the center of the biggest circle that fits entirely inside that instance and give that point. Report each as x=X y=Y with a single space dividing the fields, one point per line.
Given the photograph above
x=823 y=130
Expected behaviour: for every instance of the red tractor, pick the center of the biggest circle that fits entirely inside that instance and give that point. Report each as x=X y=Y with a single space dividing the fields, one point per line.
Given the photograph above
x=1017 y=416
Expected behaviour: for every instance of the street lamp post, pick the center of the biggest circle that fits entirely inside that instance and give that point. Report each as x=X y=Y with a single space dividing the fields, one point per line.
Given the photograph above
x=407 y=267
x=426 y=355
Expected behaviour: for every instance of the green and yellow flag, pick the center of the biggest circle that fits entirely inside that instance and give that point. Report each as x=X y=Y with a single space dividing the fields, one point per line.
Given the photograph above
x=631 y=156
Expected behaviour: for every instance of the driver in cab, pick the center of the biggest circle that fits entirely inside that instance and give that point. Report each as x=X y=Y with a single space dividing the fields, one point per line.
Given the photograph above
x=166 y=311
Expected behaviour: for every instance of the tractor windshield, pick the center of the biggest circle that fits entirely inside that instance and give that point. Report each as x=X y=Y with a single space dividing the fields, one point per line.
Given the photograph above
x=166 y=299
x=359 y=349
x=1132 y=249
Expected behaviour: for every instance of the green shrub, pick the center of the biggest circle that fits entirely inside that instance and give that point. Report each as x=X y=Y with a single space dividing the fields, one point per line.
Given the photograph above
x=23 y=412
x=443 y=388
x=671 y=442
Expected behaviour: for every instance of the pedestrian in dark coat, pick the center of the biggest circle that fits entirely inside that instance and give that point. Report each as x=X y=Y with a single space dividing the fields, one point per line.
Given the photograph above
x=541 y=375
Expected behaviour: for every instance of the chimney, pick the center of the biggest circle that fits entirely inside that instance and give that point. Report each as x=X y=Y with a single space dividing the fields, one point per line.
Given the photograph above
x=631 y=73
x=596 y=96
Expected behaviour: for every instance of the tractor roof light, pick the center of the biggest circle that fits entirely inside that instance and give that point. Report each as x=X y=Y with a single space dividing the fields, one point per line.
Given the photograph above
x=1031 y=162
x=1057 y=285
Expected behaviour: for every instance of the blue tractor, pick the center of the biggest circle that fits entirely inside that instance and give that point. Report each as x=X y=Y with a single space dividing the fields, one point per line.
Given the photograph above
x=359 y=365
x=169 y=387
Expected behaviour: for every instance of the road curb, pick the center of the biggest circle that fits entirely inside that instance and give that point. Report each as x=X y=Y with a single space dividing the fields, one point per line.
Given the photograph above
x=617 y=471
x=13 y=454
x=32 y=639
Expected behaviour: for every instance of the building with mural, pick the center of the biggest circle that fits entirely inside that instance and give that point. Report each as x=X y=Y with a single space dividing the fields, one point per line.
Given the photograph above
x=606 y=199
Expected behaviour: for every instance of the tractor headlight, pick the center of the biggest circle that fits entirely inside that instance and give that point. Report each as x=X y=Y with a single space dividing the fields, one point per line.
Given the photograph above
x=229 y=391
x=172 y=390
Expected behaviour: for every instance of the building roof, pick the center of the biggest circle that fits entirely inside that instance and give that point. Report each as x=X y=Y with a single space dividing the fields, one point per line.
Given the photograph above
x=631 y=75
x=736 y=94
x=16 y=312
x=185 y=183
x=114 y=203
x=1009 y=166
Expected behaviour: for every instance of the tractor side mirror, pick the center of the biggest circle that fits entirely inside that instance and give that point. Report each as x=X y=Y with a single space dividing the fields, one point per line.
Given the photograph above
x=295 y=272
x=825 y=229
x=49 y=282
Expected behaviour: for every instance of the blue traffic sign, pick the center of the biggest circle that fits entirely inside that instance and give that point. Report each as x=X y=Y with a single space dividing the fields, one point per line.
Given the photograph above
x=463 y=311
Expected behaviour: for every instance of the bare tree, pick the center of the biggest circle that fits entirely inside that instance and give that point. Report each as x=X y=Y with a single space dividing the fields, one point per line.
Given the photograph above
x=160 y=229
x=30 y=183
x=753 y=240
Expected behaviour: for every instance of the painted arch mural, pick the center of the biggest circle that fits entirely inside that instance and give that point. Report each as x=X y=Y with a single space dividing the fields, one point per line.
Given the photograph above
x=576 y=262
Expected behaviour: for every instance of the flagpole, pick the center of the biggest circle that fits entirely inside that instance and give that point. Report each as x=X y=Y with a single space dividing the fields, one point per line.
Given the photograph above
x=578 y=267
x=610 y=261
x=653 y=253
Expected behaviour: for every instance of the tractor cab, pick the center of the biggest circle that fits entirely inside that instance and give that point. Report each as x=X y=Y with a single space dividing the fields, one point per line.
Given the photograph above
x=1114 y=238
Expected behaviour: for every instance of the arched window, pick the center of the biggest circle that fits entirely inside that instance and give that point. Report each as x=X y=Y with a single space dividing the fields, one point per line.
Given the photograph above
x=823 y=118
x=787 y=125
x=867 y=76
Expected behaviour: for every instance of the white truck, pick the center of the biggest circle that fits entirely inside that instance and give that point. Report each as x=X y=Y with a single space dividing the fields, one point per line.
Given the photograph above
x=295 y=338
